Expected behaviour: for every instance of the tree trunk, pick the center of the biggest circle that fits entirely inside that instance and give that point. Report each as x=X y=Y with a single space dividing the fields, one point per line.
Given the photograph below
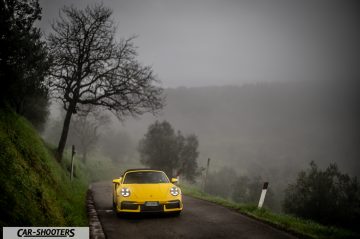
x=64 y=133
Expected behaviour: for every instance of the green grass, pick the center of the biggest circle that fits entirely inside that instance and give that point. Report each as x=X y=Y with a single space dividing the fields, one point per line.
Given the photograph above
x=35 y=190
x=300 y=227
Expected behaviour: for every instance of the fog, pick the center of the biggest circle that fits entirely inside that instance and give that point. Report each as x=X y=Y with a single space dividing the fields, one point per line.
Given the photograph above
x=209 y=42
x=267 y=86
x=263 y=127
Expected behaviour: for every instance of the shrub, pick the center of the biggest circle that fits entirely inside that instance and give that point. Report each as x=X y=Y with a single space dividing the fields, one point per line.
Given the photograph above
x=328 y=196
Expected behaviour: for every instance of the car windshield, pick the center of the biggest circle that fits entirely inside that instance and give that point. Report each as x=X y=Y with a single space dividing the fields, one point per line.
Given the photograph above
x=145 y=178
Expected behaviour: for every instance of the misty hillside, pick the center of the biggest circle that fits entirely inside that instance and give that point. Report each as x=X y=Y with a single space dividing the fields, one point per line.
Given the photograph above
x=267 y=129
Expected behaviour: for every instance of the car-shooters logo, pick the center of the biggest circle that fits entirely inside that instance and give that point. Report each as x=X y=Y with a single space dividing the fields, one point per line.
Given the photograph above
x=45 y=232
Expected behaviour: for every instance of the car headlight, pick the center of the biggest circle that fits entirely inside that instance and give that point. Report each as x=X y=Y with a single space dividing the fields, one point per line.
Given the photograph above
x=174 y=191
x=125 y=192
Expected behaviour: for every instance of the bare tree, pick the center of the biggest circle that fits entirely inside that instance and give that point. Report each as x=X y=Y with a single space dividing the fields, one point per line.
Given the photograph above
x=91 y=68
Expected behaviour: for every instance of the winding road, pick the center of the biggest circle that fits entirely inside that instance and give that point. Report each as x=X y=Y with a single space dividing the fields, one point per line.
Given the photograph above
x=199 y=219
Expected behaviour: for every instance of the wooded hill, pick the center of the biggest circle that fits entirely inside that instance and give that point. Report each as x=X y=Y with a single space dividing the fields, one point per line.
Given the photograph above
x=267 y=129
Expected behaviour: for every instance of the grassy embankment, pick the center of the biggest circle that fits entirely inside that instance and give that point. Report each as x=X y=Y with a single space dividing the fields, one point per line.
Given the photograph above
x=35 y=190
x=300 y=227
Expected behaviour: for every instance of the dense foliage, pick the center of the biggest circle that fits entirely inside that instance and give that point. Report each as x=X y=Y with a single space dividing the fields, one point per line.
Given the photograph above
x=327 y=196
x=23 y=60
x=162 y=148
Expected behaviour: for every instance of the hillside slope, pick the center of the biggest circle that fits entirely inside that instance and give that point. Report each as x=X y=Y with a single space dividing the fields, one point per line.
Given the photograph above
x=35 y=189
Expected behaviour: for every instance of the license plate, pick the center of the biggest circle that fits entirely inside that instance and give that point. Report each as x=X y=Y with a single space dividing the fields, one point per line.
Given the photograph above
x=151 y=204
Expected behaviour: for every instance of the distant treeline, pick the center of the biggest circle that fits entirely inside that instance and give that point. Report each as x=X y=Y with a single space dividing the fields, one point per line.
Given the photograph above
x=267 y=127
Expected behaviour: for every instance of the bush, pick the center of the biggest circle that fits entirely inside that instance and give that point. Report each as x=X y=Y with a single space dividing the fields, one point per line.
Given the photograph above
x=328 y=197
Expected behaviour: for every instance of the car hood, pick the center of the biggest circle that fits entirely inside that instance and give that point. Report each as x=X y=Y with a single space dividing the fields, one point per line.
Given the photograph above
x=150 y=192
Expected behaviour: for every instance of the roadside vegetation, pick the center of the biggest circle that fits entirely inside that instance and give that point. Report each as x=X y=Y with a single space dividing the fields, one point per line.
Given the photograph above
x=300 y=227
x=35 y=189
x=326 y=196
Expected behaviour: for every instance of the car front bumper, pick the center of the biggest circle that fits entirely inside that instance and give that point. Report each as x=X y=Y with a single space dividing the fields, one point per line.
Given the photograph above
x=139 y=207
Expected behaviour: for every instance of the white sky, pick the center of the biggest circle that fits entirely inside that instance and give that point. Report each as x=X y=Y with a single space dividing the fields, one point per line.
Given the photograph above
x=217 y=42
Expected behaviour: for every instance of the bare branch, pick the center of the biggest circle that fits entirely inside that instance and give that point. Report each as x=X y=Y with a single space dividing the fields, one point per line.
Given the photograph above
x=91 y=68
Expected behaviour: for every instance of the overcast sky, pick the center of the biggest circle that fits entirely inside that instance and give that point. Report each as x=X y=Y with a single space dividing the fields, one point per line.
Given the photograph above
x=218 y=42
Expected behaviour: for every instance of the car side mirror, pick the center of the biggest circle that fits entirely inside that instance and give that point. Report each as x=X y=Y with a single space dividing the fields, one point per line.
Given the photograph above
x=174 y=180
x=117 y=181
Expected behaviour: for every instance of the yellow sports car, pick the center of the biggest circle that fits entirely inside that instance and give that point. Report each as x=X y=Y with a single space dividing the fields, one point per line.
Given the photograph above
x=145 y=190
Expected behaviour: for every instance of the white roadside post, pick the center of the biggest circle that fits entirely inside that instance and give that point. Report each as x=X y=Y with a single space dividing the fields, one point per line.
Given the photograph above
x=263 y=194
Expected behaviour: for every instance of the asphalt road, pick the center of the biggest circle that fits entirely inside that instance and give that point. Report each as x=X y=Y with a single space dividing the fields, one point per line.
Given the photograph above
x=199 y=219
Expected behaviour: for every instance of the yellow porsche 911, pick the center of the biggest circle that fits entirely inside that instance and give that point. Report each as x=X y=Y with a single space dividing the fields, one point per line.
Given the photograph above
x=145 y=190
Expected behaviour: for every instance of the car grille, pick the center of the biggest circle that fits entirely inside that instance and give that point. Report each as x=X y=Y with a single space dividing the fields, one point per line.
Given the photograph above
x=158 y=208
x=129 y=206
x=173 y=204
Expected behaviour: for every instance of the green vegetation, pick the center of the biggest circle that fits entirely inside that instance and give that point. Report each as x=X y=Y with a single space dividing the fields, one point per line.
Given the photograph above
x=35 y=189
x=302 y=228
x=24 y=61
x=338 y=193
x=162 y=148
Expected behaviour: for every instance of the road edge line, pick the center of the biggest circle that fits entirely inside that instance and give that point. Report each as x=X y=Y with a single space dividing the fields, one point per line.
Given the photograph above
x=96 y=229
